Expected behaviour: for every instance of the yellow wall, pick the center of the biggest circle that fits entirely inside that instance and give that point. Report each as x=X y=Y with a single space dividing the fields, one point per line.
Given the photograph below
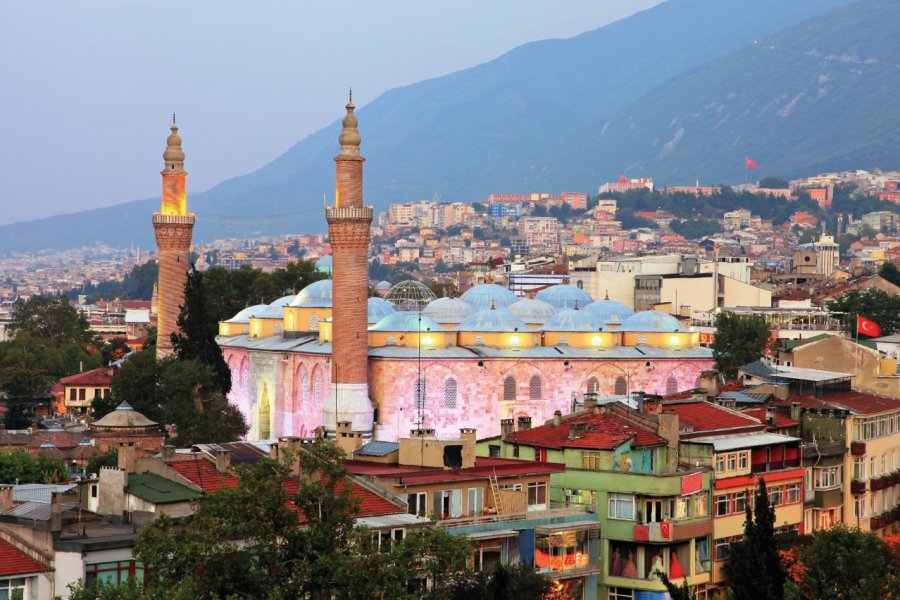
x=264 y=327
x=581 y=339
x=888 y=446
x=672 y=340
x=409 y=339
x=230 y=329
x=296 y=318
x=516 y=339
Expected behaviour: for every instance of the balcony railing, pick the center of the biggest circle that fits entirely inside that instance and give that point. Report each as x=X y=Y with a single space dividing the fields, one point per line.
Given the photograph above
x=857 y=448
x=857 y=486
x=487 y=517
x=775 y=465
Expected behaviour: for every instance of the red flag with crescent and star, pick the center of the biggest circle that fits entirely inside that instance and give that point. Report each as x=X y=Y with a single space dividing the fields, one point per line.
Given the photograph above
x=750 y=163
x=867 y=327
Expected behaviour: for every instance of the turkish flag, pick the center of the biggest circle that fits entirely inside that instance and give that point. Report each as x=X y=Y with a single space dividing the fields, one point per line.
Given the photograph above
x=750 y=163
x=867 y=327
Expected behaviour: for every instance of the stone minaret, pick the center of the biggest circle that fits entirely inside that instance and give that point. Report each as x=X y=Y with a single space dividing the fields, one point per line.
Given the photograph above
x=349 y=223
x=173 y=225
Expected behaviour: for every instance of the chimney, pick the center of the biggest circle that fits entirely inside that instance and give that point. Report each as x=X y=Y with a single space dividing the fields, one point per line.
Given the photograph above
x=524 y=423
x=125 y=452
x=55 y=512
x=795 y=411
x=557 y=418
x=507 y=426
x=348 y=440
x=223 y=460
x=639 y=398
x=577 y=429
x=590 y=400
x=168 y=452
x=284 y=446
x=770 y=415
x=467 y=433
x=6 y=498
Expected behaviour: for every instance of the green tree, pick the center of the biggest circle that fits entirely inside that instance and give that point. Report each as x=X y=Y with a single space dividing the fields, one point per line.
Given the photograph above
x=774 y=183
x=196 y=338
x=109 y=459
x=53 y=318
x=874 y=304
x=754 y=569
x=19 y=466
x=844 y=563
x=135 y=382
x=518 y=582
x=890 y=272
x=740 y=339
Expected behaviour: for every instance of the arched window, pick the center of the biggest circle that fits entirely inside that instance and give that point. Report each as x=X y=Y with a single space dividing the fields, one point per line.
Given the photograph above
x=642 y=340
x=317 y=389
x=245 y=374
x=593 y=386
x=563 y=340
x=509 y=388
x=534 y=388
x=479 y=340
x=671 y=386
x=313 y=322
x=264 y=418
x=304 y=389
x=621 y=386
x=450 y=392
x=391 y=340
x=279 y=328
x=421 y=393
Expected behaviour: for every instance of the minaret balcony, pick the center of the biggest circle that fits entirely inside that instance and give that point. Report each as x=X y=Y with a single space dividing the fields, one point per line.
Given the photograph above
x=349 y=213
x=164 y=219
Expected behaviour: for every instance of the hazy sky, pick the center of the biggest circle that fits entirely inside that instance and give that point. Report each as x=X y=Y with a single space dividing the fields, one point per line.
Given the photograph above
x=88 y=87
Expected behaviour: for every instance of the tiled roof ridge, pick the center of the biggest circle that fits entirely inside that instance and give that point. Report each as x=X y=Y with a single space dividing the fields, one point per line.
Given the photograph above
x=377 y=489
x=718 y=406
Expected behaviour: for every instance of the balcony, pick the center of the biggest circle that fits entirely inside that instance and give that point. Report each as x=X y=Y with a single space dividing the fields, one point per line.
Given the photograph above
x=552 y=513
x=775 y=465
x=857 y=486
x=857 y=448
x=669 y=531
x=879 y=483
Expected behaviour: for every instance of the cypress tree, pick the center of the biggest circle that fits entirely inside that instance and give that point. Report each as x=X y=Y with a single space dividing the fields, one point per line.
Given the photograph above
x=754 y=569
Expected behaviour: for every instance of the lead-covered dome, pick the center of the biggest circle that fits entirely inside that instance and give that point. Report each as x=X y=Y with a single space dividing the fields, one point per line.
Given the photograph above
x=245 y=315
x=283 y=301
x=651 y=321
x=493 y=319
x=315 y=295
x=449 y=310
x=378 y=308
x=487 y=295
x=564 y=296
x=532 y=311
x=571 y=319
x=609 y=311
x=406 y=321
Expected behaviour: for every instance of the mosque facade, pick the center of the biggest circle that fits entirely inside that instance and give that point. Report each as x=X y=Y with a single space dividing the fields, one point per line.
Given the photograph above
x=410 y=361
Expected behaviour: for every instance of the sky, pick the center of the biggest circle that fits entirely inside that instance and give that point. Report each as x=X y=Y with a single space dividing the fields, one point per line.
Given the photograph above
x=89 y=87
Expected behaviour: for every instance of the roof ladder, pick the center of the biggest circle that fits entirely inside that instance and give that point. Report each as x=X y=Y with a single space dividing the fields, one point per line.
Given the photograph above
x=495 y=489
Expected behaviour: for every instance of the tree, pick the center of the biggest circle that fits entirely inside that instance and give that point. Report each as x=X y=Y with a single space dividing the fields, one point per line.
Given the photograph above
x=890 y=272
x=52 y=318
x=875 y=304
x=114 y=349
x=135 y=382
x=740 y=339
x=846 y=563
x=109 y=459
x=754 y=568
x=774 y=183
x=18 y=466
x=248 y=542
x=196 y=338
x=519 y=582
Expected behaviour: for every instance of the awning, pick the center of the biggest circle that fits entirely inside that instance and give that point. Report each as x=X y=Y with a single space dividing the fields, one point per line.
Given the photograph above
x=576 y=525
x=486 y=535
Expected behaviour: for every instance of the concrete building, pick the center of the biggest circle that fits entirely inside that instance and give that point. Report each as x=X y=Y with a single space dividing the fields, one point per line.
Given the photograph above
x=828 y=254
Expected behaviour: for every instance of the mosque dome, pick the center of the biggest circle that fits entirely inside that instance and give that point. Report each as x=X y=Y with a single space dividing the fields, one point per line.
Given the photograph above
x=495 y=320
x=250 y=311
x=315 y=295
x=609 y=311
x=489 y=294
x=406 y=321
x=324 y=264
x=571 y=319
x=283 y=301
x=532 y=310
x=410 y=295
x=564 y=296
x=651 y=321
x=383 y=286
x=270 y=312
x=378 y=308
x=449 y=310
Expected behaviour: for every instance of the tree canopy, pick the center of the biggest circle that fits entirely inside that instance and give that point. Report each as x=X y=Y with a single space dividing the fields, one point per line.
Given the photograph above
x=740 y=339
x=874 y=304
x=18 y=466
x=754 y=569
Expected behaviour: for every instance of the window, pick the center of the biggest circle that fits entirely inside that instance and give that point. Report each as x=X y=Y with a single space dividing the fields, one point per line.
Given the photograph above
x=828 y=477
x=113 y=572
x=537 y=494
x=479 y=340
x=391 y=340
x=740 y=502
x=494 y=451
x=742 y=460
x=700 y=504
x=671 y=386
x=534 y=388
x=593 y=386
x=732 y=462
x=872 y=473
x=304 y=389
x=620 y=594
x=721 y=548
x=590 y=460
x=509 y=388
x=642 y=341
x=722 y=505
x=476 y=501
x=82 y=395
x=792 y=493
x=317 y=389
x=448 y=504
x=720 y=464
x=72 y=393
x=563 y=340
x=450 y=392
x=621 y=388
x=859 y=507
x=8 y=586
x=683 y=508
x=775 y=496
x=808 y=479
x=421 y=393
x=415 y=504
x=313 y=323
x=621 y=506
x=384 y=538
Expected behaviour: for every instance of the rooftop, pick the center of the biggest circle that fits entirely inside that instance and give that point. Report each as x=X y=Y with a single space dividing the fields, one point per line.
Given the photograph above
x=158 y=490
x=725 y=443
x=781 y=419
x=94 y=377
x=15 y=562
x=703 y=416
x=761 y=369
x=483 y=469
x=202 y=472
x=602 y=432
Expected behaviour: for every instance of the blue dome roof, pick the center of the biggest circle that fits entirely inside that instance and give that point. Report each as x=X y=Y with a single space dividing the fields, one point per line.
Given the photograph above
x=283 y=301
x=315 y=295
x=406 y=321
x=379 y=308
x=488 y=319
x=651 y=321
x=564 y=296
x=250 y=311
x=383 y=285
x=532 y=310
x=609 y=311
x=481 y=296
x=449 y=310
x=270 y=312
x=573 y=320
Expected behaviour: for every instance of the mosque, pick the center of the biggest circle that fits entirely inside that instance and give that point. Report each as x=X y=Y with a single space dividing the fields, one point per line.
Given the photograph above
x=331 y=354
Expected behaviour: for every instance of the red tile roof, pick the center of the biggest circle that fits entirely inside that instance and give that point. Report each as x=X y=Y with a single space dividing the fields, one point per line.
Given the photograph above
x=781 y=419
x=706 y=417
x=202 y=472
x=371 y=504
x=15 y=562
x=862 y=404
x=96 y=377
x=484 y=468
x=602 y=432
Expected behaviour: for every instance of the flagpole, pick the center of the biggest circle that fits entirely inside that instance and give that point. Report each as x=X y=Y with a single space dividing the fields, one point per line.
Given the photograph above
x=856 y=353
